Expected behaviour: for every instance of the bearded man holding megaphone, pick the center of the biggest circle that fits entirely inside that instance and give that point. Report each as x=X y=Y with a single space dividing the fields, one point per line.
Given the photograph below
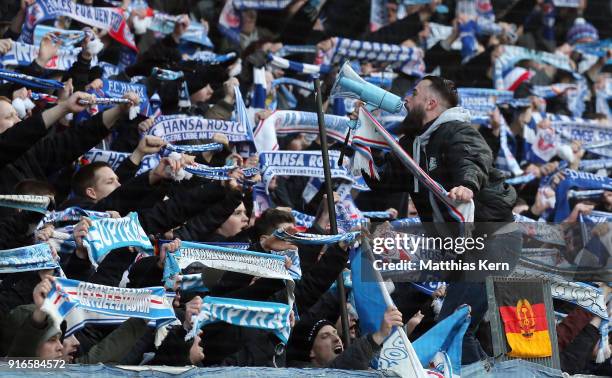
x=438 y=136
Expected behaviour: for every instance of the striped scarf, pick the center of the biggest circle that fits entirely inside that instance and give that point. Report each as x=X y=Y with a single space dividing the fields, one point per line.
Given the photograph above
x=304 y=68
x=408 y=60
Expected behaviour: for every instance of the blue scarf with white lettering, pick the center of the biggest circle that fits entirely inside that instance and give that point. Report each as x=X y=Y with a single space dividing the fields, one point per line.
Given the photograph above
x=270 y=316
x=24 y=259
x=146 y=303
x=299 y=163
x=574 y=179
x=110 y=19
x=179 y=127
x=114 y=159
x=104 y=235
x=27 y=202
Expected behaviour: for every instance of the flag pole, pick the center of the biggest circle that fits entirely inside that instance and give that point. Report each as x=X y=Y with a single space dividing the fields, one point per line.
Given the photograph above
x=331 y=207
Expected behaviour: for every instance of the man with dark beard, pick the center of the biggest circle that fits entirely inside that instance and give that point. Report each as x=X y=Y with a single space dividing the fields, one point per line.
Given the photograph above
x=438 y=135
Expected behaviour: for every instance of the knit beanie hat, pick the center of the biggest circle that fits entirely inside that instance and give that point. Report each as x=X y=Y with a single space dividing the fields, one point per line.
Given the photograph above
x=302 y=338
x=582 y=31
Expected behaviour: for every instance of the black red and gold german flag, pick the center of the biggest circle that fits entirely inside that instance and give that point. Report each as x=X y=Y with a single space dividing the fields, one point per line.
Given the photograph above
x=521 y=306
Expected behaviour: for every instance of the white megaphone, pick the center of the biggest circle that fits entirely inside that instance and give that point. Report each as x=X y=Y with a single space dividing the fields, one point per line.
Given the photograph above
x=349 y=84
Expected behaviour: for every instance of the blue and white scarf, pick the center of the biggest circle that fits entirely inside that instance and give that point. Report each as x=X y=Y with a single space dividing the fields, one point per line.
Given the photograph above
x=305 y=68
x=316 y=239
x=512 y=54
x=598 y=217
x=38 y=204
x=24 y=259
x=596 y=48
x=116 y=89
x=68 y=38
x=30 y=81
x=104 y=235
x=295 y=270
x=22 y=54
x=241 y=114
x=584 y=194
x=303 y=220
x=110 y=19
x=72 y=214
x=234 y=260
x=296 y=49
x=67 y=295
x=574 y=179
x=261 y=4
x=191 y=149
x=288 y=122
x=193 y=283
x=376 y=214
x=211 y=173
x=164 y=24
x=177 y=128
x=595 y=165
x=299 y=163
x=270 y=316
x=408 y=60
x=595 y=137
x=114 y=159
x=209 y=57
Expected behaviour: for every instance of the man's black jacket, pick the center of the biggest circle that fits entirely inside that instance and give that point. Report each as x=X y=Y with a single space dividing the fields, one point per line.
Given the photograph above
x=455 y=155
